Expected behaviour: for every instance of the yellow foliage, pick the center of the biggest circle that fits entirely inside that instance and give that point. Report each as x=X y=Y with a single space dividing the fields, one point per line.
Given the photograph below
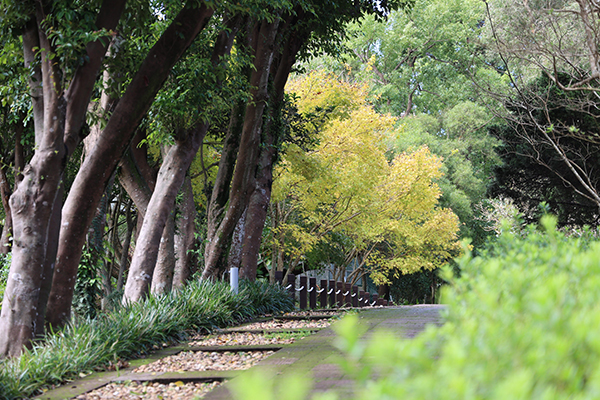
x=346 y=184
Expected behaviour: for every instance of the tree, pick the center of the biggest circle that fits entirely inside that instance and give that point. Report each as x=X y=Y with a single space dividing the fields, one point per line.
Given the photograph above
x=460 y=136
x=298 y=31
x=387 y=209
x=553 y=117
x=34 y=200
x=419 y=59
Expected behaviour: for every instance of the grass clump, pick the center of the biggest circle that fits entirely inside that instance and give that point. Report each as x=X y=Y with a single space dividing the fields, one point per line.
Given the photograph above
x=129 y=331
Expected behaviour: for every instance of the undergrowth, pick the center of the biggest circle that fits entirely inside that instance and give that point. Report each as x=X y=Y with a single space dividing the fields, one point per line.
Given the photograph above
x=89 y=345
x=521 y=323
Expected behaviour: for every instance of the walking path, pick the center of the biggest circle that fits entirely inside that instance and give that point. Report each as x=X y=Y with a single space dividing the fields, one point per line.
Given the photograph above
x=313 y=357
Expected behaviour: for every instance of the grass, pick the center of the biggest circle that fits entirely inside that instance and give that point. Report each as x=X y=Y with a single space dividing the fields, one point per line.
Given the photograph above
x=300 y=334
x=130 y=331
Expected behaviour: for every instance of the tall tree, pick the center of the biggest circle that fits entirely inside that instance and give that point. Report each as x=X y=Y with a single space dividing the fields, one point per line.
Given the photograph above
x=318 y=26
x=35 y=198
x=554 y=117
x=66 y=95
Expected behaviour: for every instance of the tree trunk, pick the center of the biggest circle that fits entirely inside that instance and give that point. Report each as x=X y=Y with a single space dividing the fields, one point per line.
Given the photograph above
x=124 y=262
x=35 y=197
x=170 y=178
x=162 y=278
x=234 y=258
x=261 y=196
x=95 y=171
x=185 y=236
x=32 y=206
x=5 y=192
x=249 y=147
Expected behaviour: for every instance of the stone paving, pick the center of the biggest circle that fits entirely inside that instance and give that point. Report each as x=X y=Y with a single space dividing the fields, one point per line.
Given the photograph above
x=313 y=357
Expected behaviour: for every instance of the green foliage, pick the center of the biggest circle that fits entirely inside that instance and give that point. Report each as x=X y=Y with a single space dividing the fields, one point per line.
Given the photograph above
x=4 y=268
x=133 y=330
x=87 y=286
x=521 y=323
x=469 y=158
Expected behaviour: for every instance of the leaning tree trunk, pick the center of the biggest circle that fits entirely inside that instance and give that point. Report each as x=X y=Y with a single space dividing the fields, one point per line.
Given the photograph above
x=35 y=198
x=32 y=206
x=95 y=171
x=249 y=147
x=170 y=178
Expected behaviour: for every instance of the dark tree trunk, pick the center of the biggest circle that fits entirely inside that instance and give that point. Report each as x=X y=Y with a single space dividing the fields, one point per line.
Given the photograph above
x=249 y=147
x=124 y=262
x=5 y=192
x=220 y=194
x=136 y=176
x=95 y=171
x=185 y=236
x=261 y=195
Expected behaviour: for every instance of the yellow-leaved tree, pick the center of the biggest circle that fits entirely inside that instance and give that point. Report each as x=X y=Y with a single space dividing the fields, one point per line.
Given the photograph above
x=386 y=210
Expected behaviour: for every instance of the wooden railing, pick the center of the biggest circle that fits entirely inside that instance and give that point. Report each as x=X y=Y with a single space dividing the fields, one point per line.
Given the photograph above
x=328 y=294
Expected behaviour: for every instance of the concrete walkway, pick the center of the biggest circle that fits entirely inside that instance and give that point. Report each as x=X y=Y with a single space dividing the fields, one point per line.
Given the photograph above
x=314 y=357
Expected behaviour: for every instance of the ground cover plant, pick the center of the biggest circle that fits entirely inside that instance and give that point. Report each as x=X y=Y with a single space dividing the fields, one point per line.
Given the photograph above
x=521 y=323
x=91 y=345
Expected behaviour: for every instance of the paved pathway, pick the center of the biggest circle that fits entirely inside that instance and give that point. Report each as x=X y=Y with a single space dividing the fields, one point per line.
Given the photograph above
x=314 y=356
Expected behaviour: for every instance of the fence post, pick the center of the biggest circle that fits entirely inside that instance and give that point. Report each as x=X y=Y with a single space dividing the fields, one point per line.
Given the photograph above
x=361 y=298
x=374 y=299
x=332 y=294
x=323 y=294
x=303 y=290
x=340 y=294
x=347 y=295
x=354 y=296
x=292 y=286
x=279 y=277
x=312 y=295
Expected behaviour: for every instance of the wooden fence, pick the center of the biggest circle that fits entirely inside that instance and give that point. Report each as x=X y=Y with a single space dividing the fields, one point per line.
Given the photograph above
x=328 y=294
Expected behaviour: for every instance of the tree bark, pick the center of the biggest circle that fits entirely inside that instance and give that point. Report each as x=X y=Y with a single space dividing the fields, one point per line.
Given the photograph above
x=249 y=147
x=261 y=195
x=5 y=192
x=34 y=201
x=185 y=236
x=169 y=180
x=32 y=206
x=124 y=262
x=95 y=171
x=162 y=278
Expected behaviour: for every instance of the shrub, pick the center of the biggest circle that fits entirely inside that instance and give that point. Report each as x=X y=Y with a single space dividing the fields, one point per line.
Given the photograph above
x=522 y=323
